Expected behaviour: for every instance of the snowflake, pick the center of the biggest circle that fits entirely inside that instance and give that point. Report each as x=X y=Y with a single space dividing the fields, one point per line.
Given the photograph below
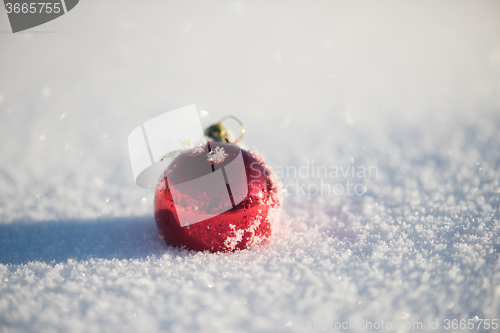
x=196 y=150
x=190 y=148
x=193 y=149
x=218 y=155
x=231 y=242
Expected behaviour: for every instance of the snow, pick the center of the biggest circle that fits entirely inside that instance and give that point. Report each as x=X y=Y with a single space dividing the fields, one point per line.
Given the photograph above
x=218 y=155
x=407 y=90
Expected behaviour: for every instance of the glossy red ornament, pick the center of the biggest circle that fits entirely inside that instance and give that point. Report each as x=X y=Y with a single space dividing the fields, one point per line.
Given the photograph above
x=252 y=189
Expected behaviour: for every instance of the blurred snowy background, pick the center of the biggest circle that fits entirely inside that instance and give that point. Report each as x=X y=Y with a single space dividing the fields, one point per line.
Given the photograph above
x=412 y=88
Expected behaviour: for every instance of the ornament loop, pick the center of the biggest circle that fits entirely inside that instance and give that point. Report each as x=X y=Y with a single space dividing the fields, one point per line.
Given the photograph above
x=219 y=133
x=239 y=122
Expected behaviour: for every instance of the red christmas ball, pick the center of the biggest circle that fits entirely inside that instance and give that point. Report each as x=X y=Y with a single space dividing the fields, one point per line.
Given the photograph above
x=216 y=197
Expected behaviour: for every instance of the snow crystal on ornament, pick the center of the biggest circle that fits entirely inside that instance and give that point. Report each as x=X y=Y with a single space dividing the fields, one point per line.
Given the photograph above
x=193 y=149
x=231 y=242
x=218 y=155
x=197 y=150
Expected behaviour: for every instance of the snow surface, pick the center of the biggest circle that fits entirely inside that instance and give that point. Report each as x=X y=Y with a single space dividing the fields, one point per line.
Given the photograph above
x=411 y=89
